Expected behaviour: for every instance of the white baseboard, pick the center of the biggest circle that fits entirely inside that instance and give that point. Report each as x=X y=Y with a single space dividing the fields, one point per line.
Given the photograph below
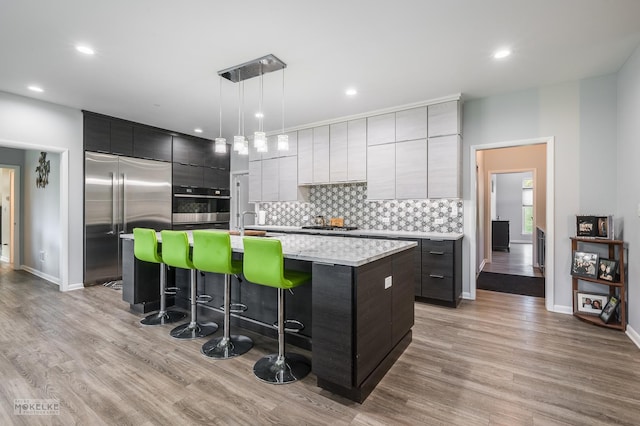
x=76 y=286
x=41 y=274
x=4 y=259
x=561 y=309
x=484 y=262
x=633 y=335
x=466 y=295
x=521 y=242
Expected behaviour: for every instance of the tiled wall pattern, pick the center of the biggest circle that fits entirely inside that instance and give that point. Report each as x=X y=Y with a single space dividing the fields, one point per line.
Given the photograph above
x=350 y=202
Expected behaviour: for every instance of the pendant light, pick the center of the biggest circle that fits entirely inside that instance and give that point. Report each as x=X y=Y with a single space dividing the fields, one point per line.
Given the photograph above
x=259 y=137
x=283 y=140
x=239 y=139
x=220 y=145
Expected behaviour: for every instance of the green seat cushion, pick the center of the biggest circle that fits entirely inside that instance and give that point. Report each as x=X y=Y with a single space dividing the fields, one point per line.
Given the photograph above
x=212 y=252
x=145 y=245
x=175 y=249
x=263 y=264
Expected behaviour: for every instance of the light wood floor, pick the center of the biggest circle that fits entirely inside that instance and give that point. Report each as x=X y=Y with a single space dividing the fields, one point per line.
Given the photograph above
x=517 y=261
x=500 y=360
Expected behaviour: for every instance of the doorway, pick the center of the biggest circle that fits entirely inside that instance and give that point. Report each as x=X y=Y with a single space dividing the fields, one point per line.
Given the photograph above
x=9 y=218
x=480 y=221
x=240 y=199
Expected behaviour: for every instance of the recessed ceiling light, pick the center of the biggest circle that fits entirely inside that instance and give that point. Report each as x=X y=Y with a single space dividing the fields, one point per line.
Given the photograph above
x=36 y=89
x=501 y=54
x=351 y=92
x=197 y=130
x=259 y=115
x=85 y=49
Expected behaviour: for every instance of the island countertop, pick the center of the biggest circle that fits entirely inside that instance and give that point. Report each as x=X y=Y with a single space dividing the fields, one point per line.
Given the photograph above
x=325 y=249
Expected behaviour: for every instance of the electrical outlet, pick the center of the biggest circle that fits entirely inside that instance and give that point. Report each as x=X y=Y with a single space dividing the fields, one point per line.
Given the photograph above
x=43 y=255
x=388 y=282
x=386 y=220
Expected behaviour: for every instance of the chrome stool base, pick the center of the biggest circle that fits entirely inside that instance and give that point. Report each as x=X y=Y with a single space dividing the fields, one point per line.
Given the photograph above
x=222 y=348
x=161 y=318
x=276 y=370
x=189 y=331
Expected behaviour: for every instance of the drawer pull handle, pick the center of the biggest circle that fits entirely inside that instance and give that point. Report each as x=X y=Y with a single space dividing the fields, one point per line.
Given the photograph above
x=436 y=276
x=439 y=253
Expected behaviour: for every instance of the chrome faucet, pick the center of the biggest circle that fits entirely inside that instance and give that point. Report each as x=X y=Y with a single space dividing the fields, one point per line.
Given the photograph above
x=242 y=221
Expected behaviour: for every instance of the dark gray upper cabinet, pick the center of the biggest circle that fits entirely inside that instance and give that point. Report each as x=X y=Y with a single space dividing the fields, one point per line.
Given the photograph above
x=151 y=143
x=190 y=150
x=216 y=159
x=122 y=138
x=215 y=178
x=187 y=175
x=97 y=134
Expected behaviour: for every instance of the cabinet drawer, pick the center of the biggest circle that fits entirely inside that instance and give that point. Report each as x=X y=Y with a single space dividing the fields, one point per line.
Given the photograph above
x=436 y=247
x=438 y=265
x=437 y=288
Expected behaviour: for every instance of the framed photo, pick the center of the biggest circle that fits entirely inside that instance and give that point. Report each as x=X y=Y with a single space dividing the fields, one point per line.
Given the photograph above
x=604 y=227
x=586 y=226
x=591 y=303
x=584 y=264
x=607 y=270
x=609 y=309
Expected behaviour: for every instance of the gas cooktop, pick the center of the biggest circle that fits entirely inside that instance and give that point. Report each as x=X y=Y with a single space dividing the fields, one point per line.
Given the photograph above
x=330 y=228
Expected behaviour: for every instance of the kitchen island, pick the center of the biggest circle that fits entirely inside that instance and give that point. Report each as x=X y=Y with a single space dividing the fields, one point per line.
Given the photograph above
x=358 y=309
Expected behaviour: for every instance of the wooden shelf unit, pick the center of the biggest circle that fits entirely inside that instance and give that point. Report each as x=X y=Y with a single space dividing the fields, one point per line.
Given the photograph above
x=616 y=251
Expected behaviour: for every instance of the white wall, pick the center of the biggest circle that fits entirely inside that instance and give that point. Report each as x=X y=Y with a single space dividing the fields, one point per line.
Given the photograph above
x=556 y=111
x=628 y=177
x=41 y=219
x=31 y=124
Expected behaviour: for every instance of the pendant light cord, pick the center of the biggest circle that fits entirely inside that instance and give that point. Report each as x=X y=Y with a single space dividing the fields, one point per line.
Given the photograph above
x=283 y=101
x=220 y=105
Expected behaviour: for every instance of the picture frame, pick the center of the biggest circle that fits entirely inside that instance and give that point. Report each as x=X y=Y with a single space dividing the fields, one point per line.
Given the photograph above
x=591 y=303
x=604 y=227
x=609 y=309
x=584 y=265
x=586 y=226
x=607 y=269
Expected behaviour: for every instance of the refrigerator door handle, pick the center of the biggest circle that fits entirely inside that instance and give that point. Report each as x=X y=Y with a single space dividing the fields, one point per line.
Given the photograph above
x=124 y=204
x=114 y=206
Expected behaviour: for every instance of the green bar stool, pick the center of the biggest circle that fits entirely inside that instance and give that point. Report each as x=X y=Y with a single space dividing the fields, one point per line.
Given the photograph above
x=264 y=264
x=175 y=252
x=212 y=253
x=145 y=248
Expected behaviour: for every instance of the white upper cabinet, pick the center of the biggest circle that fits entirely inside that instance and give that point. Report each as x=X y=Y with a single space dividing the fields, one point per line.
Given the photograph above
x=321 y=154
x=270 y=180
x=255 y=181
x=411 y=169
x=293 y=145
x=381 y=129
x=288 y=179
x=338 y=152
x=444 y=167
x=305 y=157
x=357 y=150
x=381 y=172
x=272 y=148
x=411 y=124
x=444 y=119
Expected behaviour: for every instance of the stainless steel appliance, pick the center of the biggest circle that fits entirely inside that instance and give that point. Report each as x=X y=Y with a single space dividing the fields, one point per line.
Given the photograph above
x=120 y=193
x=200 y=208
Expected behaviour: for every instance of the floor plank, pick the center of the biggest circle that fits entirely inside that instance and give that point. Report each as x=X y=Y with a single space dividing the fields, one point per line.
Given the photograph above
x=499 y=360
x=517 y=261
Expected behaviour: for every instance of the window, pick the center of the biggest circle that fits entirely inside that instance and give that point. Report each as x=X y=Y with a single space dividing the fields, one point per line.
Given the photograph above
x=527 y=206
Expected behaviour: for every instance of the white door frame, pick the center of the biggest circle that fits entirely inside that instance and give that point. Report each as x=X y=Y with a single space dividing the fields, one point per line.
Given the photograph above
x=14 y=217
x=549 y=226
x=233 y=221
x=64 y=203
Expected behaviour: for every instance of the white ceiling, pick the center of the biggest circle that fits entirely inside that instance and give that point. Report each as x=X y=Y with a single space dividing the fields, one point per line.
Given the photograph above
x=156 y=61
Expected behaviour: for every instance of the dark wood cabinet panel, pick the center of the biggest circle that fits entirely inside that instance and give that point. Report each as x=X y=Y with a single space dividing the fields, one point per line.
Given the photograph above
x=189 y=150
x=442 y=271
x=373 y=320
x=500 y=235
x=215 y=178
x=97 y=134
x=402 y=296
x=216 y=159
x=151 y=143
x=121 y=138
x=186 y=175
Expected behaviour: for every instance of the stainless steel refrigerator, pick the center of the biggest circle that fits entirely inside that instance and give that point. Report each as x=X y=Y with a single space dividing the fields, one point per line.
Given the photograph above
x=120 y=193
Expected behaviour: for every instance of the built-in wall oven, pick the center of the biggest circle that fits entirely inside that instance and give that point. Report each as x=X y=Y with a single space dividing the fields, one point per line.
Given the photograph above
x=200 y=208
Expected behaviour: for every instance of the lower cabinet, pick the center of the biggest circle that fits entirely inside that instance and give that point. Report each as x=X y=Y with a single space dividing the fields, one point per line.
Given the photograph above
x=441 y=272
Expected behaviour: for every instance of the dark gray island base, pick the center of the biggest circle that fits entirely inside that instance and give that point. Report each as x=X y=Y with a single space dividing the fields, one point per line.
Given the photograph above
x=358 y=310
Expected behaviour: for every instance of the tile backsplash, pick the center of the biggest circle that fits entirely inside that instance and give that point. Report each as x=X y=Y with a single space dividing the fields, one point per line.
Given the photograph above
x=349 y=201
